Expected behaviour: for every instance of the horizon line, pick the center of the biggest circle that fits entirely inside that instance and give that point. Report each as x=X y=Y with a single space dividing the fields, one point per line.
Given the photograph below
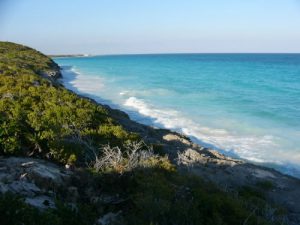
x=166 y=53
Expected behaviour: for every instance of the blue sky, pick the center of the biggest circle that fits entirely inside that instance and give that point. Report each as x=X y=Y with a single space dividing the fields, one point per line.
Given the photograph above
x=152 y=26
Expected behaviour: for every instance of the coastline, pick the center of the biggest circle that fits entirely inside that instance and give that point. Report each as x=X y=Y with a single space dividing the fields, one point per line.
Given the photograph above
x=228 y=173
x=231 y=123
x=152 y=115
x=69 y=56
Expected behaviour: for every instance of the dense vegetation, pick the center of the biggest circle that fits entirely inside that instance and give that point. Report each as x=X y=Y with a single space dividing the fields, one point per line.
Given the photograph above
x=40 y=118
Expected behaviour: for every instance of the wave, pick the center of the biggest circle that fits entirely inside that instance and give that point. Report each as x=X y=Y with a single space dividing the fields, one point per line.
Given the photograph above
x=74 y=80
x=148 y=92
x=252 y=148
x=216 y=138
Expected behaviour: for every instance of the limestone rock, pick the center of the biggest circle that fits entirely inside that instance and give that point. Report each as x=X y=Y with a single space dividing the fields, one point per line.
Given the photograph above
x=190 y=157
x=33 y=179
x=41 y=202
x=109 y=218
x=175 y=137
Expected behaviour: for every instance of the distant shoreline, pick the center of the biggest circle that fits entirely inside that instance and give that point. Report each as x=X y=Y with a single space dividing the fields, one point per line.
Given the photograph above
x=69 y=55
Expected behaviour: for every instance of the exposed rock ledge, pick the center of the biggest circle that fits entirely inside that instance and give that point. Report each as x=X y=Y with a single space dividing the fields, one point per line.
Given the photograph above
x=34 y=179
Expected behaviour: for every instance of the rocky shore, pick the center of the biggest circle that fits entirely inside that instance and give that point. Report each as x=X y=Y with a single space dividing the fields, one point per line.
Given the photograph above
x=228 y=173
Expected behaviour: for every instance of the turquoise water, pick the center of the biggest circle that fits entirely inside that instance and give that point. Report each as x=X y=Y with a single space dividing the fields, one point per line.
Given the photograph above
x=244 y=105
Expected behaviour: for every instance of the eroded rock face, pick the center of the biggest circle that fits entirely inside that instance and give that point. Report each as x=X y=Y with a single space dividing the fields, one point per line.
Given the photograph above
x=41 y=183
x=34 y=179
x=176 y=137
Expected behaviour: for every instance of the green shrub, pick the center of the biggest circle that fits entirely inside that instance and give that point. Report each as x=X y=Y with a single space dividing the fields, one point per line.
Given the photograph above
x=266 y=185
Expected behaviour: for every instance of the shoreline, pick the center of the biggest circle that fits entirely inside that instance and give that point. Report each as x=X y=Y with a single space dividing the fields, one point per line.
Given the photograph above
x=69 y=56
x=76 y=81
x=226 y=172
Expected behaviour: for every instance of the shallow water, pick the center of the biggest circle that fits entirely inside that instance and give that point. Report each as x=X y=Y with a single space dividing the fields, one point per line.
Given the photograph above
x=245 y=105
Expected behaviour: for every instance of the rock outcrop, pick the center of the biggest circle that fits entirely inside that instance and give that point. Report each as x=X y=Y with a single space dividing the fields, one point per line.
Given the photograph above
x=52 y=74
x=35 y=180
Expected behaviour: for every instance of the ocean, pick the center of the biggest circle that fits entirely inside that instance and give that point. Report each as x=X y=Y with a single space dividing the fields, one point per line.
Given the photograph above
x=244 y=105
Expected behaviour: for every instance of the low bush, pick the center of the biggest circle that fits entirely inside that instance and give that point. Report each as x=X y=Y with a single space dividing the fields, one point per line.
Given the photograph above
x=135 y=155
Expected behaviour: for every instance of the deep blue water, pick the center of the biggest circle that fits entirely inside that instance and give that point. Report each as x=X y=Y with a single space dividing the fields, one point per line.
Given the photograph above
x=246 y=105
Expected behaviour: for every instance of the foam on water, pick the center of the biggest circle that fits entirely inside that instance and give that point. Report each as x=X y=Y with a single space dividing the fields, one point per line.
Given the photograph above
x=216 y=138
x=73 y=80
x=252 y=148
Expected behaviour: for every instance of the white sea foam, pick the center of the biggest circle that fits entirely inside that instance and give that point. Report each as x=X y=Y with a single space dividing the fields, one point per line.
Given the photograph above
x=148 y=92
x=253 y=148
x=77 y=82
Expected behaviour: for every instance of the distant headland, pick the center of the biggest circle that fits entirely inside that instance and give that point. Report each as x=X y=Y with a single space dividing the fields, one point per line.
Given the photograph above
x=69 y=55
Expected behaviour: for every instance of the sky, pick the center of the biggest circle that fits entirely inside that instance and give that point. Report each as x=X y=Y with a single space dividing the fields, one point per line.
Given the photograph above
x=152 y=26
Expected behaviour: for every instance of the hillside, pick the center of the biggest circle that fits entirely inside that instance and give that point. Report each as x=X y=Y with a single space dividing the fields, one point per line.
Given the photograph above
x=68 y=160
x=39 y=117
